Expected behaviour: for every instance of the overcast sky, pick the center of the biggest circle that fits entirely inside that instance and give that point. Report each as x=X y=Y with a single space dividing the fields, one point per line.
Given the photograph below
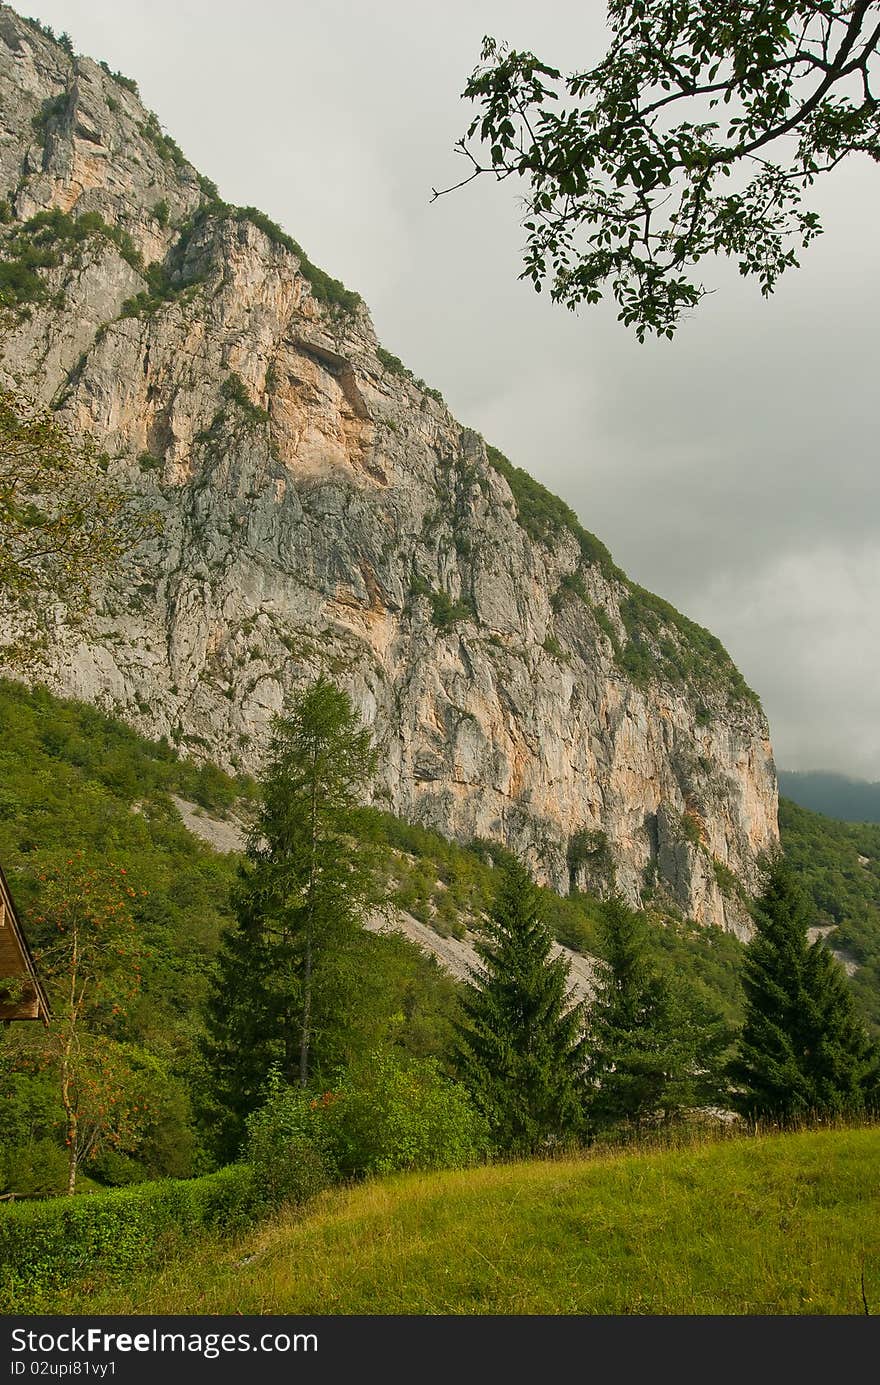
x=733 y=470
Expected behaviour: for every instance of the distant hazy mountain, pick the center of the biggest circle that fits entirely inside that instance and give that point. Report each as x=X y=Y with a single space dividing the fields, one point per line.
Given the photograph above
x=853 y=800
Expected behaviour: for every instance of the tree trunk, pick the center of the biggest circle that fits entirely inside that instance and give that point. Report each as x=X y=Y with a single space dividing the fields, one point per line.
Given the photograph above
x=71 y=1165
x=306 y=1033
x=72 y=1125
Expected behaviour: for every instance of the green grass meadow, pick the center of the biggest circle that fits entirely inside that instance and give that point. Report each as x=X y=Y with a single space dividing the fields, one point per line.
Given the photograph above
x=776 y=1224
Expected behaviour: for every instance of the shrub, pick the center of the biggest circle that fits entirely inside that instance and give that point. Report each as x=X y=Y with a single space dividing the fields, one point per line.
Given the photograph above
x=128 y=83
x=396 y=1113
x=53 y=109
x=46 y=241
x=445 y=612
x=287 y=1145
x=691 y=827
x=167 y=148
x=395 y=366
x=50 y=1244
x=234 y=390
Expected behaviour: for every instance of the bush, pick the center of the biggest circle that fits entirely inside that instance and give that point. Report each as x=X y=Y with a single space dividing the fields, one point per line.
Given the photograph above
x=396 y=1113
x=51 y=1244
x=287 y=1145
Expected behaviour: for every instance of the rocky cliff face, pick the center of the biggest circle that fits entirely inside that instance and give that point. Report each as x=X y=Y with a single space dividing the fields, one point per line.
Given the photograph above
x=323 y=511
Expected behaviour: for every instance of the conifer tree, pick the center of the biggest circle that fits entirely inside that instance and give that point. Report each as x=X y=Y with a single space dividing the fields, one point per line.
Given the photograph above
x=520 y=1046
x=654 y=1048
x=285 y=970
x=803 y=1050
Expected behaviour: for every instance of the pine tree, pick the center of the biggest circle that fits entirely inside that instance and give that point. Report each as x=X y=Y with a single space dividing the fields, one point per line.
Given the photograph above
x=803 y=1050
x=655 y=1049
x=520 y=1046
x=285 y=971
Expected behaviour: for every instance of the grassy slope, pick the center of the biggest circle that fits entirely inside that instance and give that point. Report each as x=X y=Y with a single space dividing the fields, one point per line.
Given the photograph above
x=778 y=1224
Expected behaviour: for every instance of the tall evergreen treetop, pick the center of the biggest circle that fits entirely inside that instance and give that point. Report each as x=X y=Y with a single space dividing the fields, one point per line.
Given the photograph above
x=286 y=977
x=520 y=1048
x=803 y=1050
x=654 y=1048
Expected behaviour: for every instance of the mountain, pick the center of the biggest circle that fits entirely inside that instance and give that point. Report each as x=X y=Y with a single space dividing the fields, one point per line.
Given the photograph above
x=835 y=795
x=323 y=511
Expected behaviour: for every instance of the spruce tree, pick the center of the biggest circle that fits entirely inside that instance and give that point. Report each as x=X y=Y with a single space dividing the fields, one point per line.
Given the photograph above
x=803 y=1051
x=654 y=1048
x=286 y=972
x=520 y=1046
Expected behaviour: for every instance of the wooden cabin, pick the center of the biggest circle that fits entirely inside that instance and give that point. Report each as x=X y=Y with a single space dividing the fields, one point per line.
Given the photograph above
x=21 y=995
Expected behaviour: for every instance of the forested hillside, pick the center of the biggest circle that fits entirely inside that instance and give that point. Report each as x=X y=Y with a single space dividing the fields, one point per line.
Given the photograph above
x=839 y=864
x=77 y=786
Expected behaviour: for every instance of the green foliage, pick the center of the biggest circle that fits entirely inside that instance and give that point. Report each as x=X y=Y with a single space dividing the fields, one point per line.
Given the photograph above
x=803 y=1051
x=63 y=523
x=47 y=241
x=167 y=282
x=288 y=971
x=553 y=647
x=778 y=1224
x=89 y=954
x=695 y=135
x=127 y=83
x=161 y=212
x=690 y=828
x=51 y=1244
x=838 y=864
x=654 y=1048
x=590 y=851
x=73 y=779
x=450 y=885
x=725 y=879
x=520 y=1048
x=234 y=390
x=544 y=516
x=52 y=111
x=445 y=612
x=396 y=367
x=394 y=1113
x=287 y=1146
x=324 y=288
x=166 y=147
x=208 y=188
x=661 y=642
x=47 y=32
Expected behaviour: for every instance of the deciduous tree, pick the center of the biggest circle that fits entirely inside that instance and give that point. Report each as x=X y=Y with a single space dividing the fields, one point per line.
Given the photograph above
x=696 y=134
x=64 y=521
x=91 y=959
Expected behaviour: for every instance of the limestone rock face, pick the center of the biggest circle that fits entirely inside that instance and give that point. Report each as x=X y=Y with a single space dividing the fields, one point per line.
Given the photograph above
x=323 y=511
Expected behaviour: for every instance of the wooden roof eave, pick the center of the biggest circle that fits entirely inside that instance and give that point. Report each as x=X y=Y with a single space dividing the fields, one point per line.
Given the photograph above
x=36 y=1005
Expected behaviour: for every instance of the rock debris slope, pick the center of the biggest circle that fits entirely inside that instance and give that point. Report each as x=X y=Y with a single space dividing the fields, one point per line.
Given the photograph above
x=322 y=510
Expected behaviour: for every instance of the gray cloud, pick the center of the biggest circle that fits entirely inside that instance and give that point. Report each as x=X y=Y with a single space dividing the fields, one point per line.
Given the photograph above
x=733 y=470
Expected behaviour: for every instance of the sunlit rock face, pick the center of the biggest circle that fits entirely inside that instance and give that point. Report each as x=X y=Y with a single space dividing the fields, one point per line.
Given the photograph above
x=323 y=512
